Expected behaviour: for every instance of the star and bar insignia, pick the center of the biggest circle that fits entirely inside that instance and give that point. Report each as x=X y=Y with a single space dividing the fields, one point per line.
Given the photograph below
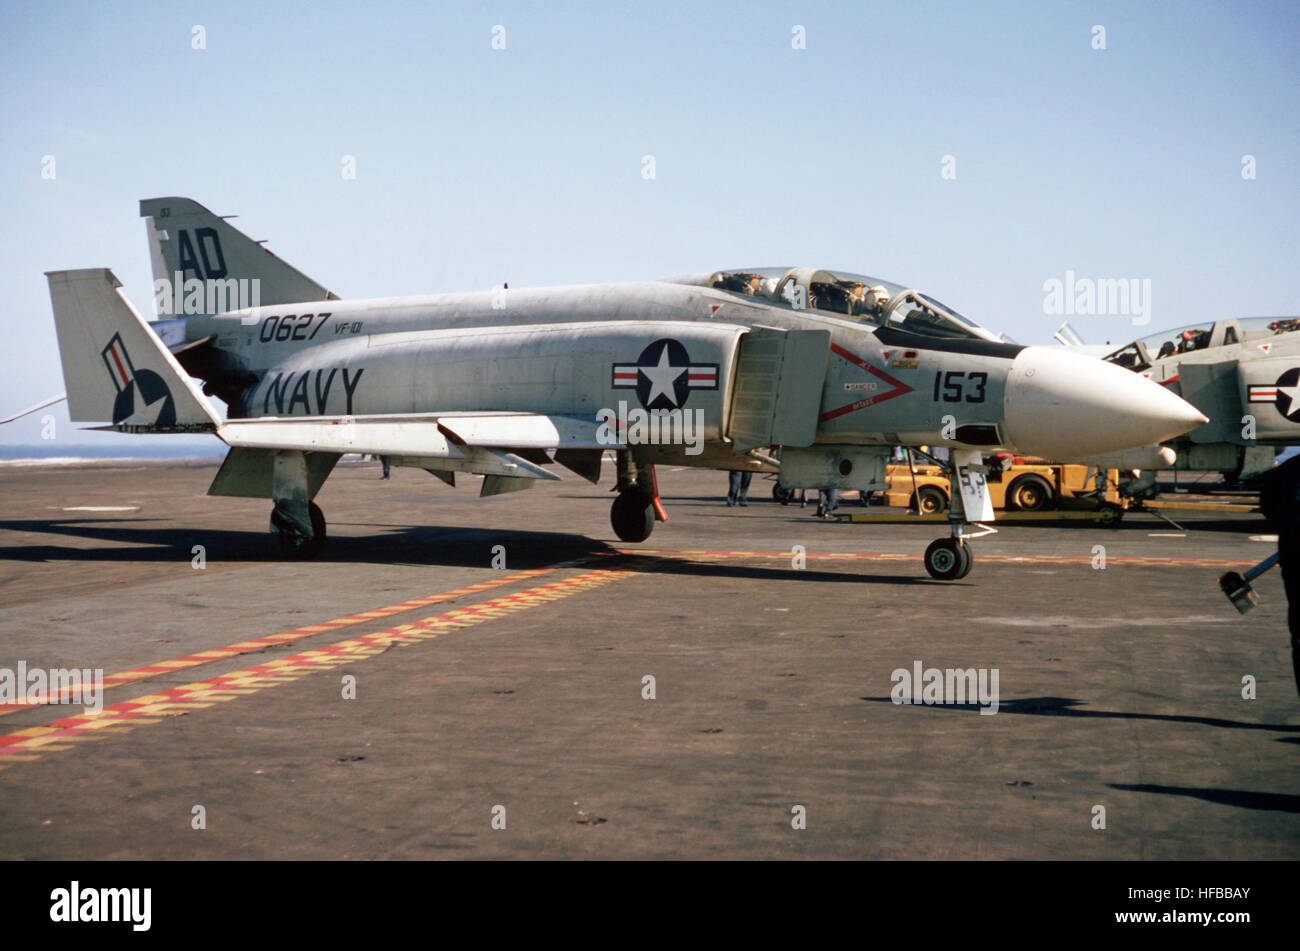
x=1284 y=394
x=664 y=375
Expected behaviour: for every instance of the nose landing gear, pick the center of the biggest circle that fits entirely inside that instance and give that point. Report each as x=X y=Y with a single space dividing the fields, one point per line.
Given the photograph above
x=948 y=559
x=951 y=559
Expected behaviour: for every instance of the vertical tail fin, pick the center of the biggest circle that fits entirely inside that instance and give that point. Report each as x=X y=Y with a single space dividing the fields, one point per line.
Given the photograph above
x=188 y=242
x=114 y=366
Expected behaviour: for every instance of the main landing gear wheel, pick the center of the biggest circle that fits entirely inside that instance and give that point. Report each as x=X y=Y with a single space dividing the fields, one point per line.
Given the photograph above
x=633 y=515
x=948 y=559
x=292 y=543
x=781 y=494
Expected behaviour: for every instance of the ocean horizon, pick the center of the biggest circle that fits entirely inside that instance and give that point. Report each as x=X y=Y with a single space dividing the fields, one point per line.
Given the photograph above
x=64 y=454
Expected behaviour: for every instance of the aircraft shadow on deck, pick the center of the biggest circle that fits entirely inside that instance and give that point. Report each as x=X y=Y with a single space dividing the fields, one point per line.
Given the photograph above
x=1246 y=799
x=1245 y=524
x=448 y=546
x=451 y=546
x=1066 y=707
x=668 y=565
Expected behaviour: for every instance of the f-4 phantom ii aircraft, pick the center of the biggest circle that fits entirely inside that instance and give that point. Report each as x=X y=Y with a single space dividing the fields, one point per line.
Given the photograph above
x=833 y=368
x=1243 y=374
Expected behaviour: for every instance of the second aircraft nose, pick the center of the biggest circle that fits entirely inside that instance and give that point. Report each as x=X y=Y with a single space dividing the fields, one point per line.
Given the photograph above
x=1063 y=405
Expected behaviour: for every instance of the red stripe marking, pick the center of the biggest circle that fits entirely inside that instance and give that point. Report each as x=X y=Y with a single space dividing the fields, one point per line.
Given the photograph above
x=899 y=387
x=889 y=556
x=243 y=647
x=113 y=352
x=12 y=743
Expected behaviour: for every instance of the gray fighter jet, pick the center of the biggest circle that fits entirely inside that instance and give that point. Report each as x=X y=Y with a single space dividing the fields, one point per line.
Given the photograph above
x=712 y=370
x=1243 y=374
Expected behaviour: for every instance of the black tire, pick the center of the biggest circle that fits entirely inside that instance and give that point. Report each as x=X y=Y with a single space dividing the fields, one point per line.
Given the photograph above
x=781 y=494
x=947 y=559
x=1111 y=514
x=1030 y=493
x=967 y=561
x=929 y=500
x=632 y=515
x=293 y=546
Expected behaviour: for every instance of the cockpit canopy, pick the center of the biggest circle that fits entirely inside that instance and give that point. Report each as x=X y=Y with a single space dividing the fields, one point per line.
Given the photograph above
x=1140 y=354
x=853 y=296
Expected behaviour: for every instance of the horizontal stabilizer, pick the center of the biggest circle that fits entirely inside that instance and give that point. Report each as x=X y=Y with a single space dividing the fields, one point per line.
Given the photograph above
x=32 y=409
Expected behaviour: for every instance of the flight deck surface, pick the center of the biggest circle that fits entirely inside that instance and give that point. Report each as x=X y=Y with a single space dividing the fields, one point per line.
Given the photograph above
x=773 y=639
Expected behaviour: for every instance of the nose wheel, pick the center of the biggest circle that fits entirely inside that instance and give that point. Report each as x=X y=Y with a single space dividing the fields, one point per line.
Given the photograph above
x=969 y=506
x=948 y=559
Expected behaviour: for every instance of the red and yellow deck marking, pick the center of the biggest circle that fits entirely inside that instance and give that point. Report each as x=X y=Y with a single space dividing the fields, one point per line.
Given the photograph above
x=284 y=637
x=29 y=744
x=690 y=554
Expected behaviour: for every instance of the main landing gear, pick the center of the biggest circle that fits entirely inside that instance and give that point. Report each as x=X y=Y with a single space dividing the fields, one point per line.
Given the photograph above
x=951 y=559
x=296 y=519
x=299 y=542
x=637 y=507
x=633 y=515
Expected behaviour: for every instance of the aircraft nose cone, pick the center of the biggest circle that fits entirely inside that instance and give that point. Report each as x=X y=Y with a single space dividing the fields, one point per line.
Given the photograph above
x=1063 y=406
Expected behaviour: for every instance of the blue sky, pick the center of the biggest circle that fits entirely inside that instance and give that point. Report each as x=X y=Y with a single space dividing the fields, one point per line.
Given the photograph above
x=477 y=165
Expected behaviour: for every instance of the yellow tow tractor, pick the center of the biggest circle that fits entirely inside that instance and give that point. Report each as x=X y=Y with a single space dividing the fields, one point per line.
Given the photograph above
x=1016 y=483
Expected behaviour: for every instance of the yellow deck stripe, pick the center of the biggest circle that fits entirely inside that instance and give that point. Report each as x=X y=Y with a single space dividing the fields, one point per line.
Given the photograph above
x=243 y=647
x=17 y=746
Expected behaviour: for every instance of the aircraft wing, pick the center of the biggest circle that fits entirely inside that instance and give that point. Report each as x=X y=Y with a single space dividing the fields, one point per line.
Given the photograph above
x=415 y=435
x=526 y=431
x=507 y=448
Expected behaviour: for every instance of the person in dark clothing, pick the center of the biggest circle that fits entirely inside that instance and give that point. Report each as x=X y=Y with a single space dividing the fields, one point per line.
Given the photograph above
x=739 y=487
x=1279 y=500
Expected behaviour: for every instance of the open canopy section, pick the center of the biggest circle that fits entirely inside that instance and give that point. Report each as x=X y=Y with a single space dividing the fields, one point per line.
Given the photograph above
x=851 y=296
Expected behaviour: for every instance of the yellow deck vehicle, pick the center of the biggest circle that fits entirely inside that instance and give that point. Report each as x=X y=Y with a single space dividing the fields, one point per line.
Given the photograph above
x=1015 y=483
